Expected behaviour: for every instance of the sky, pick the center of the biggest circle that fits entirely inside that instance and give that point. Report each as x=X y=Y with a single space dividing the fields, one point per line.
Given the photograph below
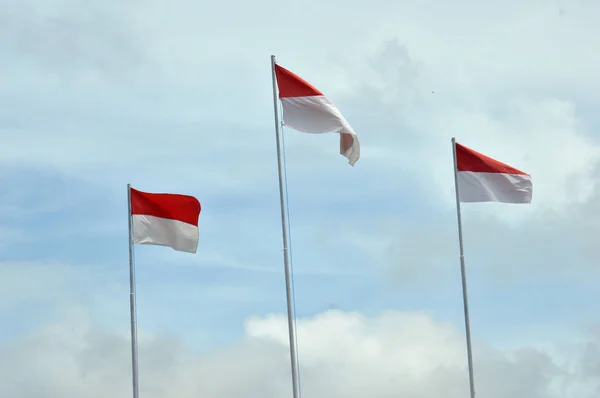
x=177 y=97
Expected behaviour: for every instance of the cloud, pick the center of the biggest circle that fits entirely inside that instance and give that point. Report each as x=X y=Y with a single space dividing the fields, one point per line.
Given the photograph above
x=74 y=42
x=409 y=127
x=342 y=355
x=177 y=97
x=388 y=91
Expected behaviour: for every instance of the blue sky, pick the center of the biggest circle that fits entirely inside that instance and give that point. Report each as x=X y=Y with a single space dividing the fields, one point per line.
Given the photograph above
x=176 y=97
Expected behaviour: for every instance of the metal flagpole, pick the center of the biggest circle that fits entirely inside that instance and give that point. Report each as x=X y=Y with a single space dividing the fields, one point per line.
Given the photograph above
x=286 y=260
x=134 y=343
x=463 y=273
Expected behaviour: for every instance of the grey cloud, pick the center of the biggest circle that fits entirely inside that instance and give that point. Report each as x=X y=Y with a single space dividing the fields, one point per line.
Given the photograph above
x=67 y=38
x=549 y=246
x=504 y=244
x=397 y=75
x=47 y=283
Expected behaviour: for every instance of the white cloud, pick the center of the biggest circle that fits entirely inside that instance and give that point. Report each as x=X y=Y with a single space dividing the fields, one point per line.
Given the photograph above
x=341 y=354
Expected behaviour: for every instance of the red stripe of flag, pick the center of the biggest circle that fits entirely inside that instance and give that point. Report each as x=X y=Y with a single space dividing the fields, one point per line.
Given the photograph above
x=177 y=207
x=292 y=85
x=470 y=160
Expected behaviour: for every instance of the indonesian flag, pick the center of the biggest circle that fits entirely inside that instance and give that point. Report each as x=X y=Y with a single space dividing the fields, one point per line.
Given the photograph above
x=483 y=179
x=165 y=219
x=307 y=110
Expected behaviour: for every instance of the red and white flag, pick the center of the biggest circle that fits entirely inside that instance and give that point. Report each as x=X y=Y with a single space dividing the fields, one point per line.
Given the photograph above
x=307 y=110
x=483 y=179
x=165 y=219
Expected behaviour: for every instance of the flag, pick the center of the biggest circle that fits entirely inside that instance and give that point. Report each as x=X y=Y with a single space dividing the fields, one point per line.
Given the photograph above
x=483 y=179
x=165 y=219
x=307 y=110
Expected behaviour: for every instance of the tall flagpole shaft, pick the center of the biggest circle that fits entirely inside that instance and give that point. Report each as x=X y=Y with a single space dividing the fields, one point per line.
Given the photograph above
x=286 y=259
x=463 y=273
x=133 y=316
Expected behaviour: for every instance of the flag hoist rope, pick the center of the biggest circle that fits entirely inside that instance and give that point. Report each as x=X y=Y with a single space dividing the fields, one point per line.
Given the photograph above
x=286 y=251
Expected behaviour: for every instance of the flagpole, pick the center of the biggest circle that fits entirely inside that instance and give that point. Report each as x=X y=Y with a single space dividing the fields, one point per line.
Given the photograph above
x=286 y=260
x=463 y=273
x=133 y=317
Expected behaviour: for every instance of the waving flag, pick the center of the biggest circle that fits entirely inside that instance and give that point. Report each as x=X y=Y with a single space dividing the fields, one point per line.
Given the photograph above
x=165 y=219
x=483 y=179
x=307 y=110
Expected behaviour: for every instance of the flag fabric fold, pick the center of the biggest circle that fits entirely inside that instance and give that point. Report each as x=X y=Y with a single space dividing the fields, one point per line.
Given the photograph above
x=483 y=179
x=165 y=219
x=307 y=110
